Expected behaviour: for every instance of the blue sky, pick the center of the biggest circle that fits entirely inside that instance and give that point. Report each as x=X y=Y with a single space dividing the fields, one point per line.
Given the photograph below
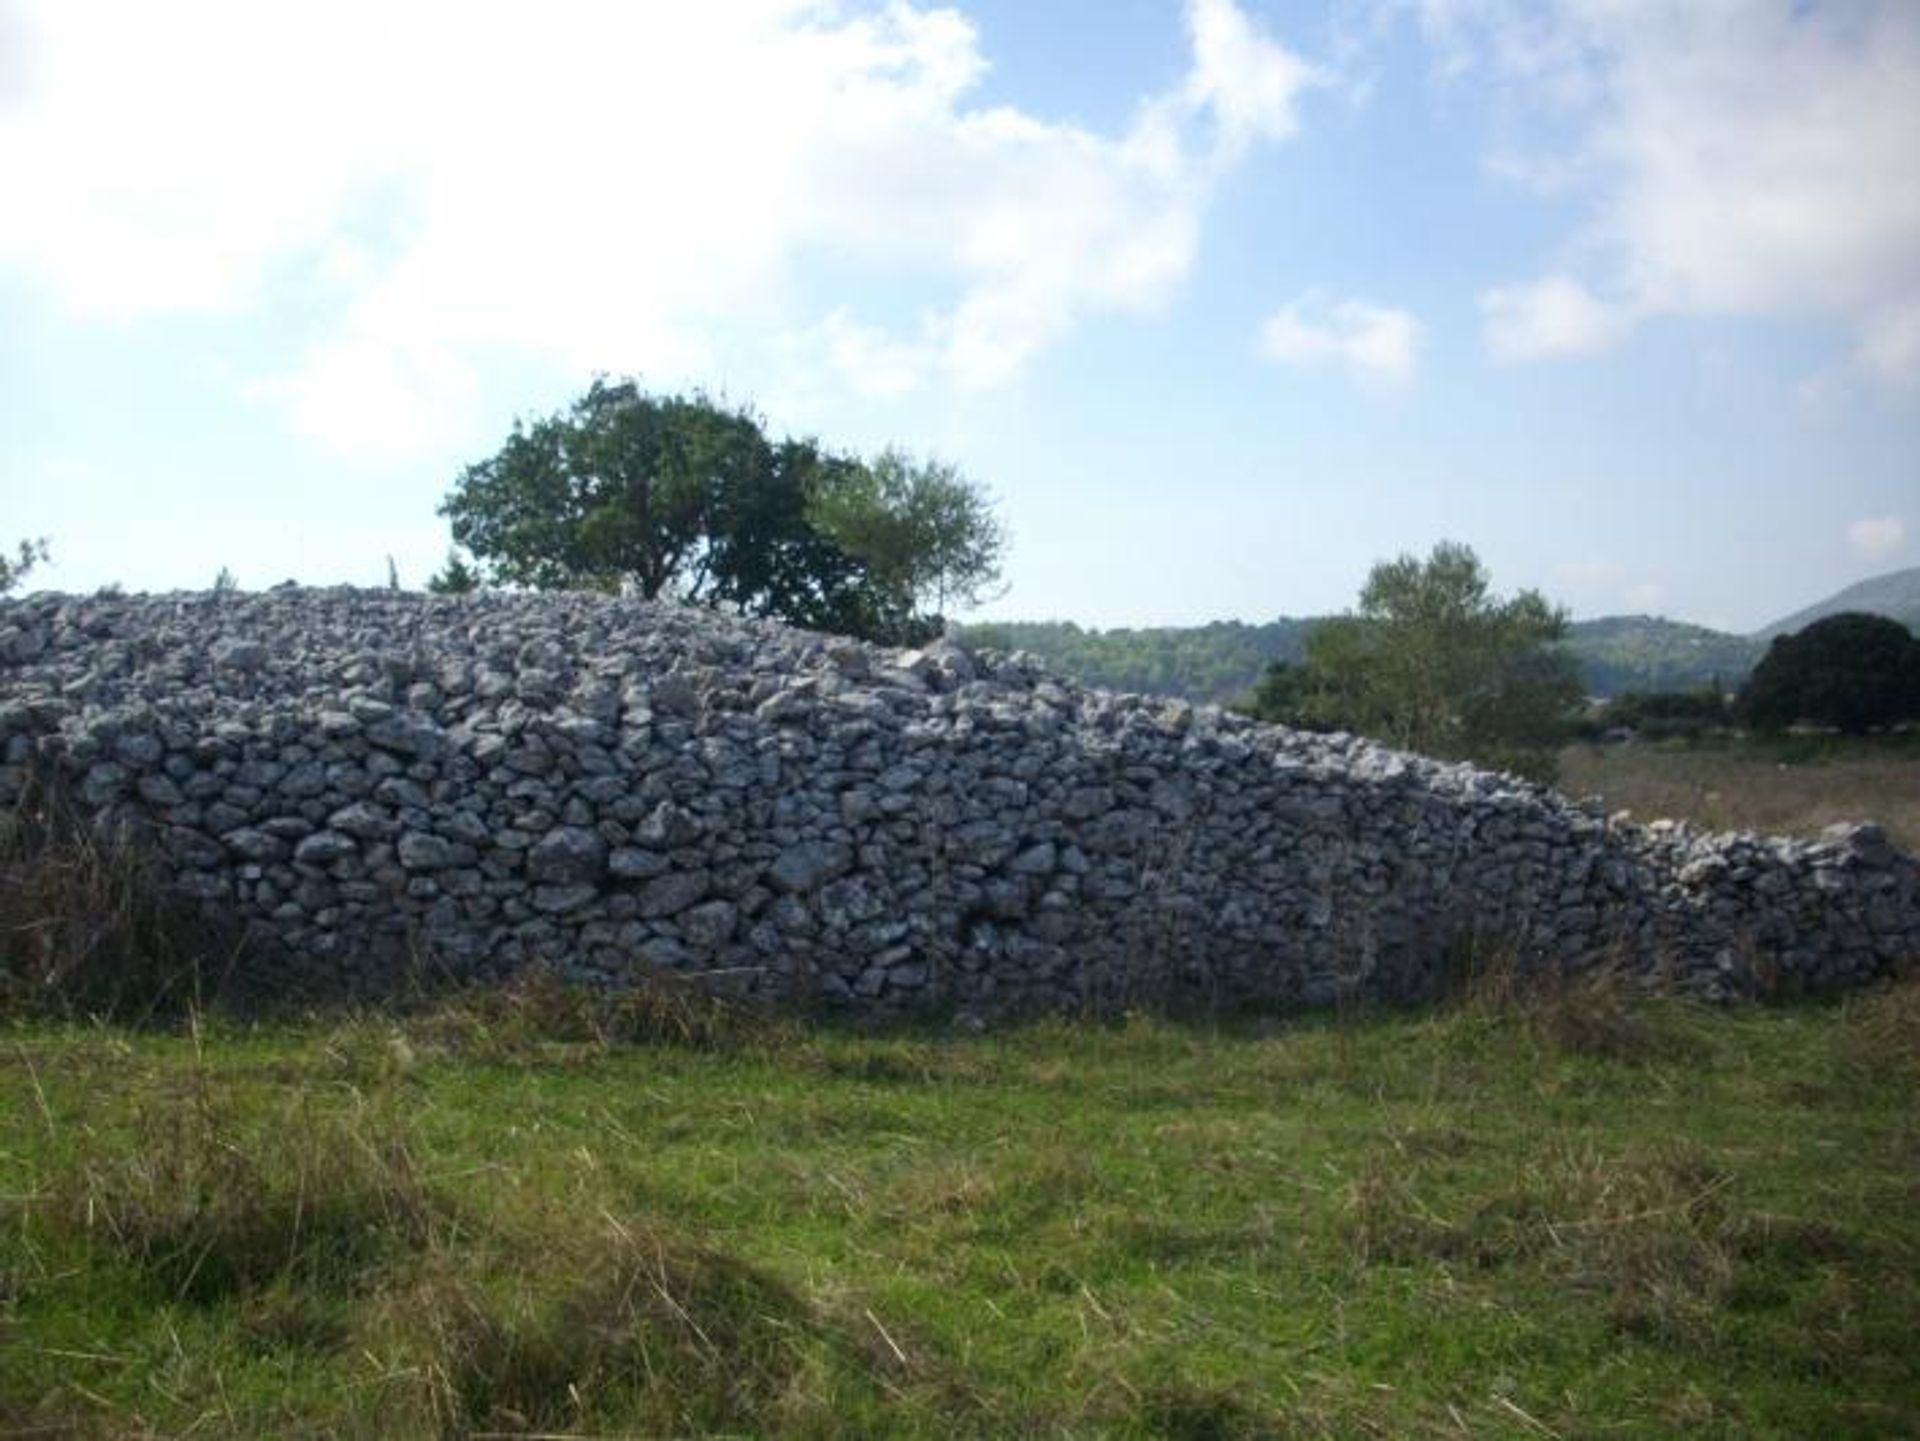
x=1223 y=300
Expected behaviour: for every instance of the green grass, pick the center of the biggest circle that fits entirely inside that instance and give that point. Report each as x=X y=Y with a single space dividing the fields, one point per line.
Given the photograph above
x=1580 y=1216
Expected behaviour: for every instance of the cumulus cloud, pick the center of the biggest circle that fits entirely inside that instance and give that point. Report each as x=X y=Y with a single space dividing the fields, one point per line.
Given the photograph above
x=1877 y=537
x=871 y=361
x=609 y=186
x=1554 y=315
x=1251 y=83
x=1376 y=344
x=1751 y=159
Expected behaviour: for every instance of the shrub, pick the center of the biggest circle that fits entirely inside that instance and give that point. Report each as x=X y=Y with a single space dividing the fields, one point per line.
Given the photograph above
x=1850 y=671
x=1670 y=715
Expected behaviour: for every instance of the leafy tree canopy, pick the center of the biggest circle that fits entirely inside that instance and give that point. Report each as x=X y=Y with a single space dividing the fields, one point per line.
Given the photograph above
x=456 y=577
x=1852 y=671
x=15 y=568
x=679 y=495
x=1432 y=661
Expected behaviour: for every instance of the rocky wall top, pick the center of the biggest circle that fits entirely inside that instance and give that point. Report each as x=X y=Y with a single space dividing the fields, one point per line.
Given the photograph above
x=609 y=786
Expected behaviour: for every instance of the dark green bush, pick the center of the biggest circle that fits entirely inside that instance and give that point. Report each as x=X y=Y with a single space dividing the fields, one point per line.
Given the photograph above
x=1851 y=671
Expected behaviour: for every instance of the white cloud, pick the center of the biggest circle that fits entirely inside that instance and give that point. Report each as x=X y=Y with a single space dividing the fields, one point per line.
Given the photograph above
x=1737 y=159
x=613 y=186
x=872 y=362
x=1877 y=537
x=1250 y=82
x=1550 y=316
x=1377 y=344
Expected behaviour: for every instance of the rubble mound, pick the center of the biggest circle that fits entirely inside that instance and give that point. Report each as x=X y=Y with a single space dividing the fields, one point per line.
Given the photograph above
x=612 y=787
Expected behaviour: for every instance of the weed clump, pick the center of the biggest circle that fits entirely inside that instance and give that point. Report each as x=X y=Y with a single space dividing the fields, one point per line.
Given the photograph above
x=90 y=925
x=625 y=1319
x=536 y=1012
x=208 y=1205
x=1597 y=1013
x=1884 y=1029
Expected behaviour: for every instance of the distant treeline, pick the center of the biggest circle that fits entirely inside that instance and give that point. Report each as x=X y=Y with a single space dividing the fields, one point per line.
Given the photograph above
x=1220 y=662
x=1223 y=661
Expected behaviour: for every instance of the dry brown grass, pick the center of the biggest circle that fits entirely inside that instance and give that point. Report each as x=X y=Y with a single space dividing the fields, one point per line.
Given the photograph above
x=693 y=1340
x=208 y=1204
x=1753 y=787
x=90 y=928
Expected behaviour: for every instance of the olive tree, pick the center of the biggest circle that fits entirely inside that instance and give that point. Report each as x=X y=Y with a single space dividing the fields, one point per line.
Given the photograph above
x=1433 y=661
x=683 y=496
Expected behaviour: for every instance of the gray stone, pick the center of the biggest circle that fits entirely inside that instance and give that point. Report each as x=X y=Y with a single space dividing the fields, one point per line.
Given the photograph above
x=104 y=784
x=711 y=924
x=672 y=893
x=236 y=654
x=422 y=851
x=807 y=866
x=562 y=899
x=323 y=848
x=367 y=822
x=668 y=827
x=158 y=789
x=632 y=864
x=666 y=954
x=1036 y=860
x=570 y=855
x=255 y=845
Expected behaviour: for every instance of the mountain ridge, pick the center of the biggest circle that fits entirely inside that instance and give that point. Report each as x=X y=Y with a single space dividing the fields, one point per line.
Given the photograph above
x=1895 y=594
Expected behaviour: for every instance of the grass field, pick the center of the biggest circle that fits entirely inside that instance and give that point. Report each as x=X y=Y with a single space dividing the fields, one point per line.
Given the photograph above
x=1792 y=787
x=1565 y=1216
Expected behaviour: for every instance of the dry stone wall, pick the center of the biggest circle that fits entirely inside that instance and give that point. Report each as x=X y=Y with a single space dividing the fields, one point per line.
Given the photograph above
x=610 y=787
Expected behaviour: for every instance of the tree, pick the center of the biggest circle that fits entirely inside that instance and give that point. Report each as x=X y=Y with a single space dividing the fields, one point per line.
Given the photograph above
x=16 y=567
x=1852 y=671
x=1434 y=662
x=455 y=577
x=928 y=538
x=1668 y=715
x=678 y=495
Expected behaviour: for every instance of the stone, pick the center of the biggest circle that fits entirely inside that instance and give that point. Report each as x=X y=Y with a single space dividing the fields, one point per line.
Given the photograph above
x=668 y=827
x=590 y=781
x=323 y=848
x=672 y=893
x=807 y=866
x=158 y=789
x=1037 y=860
x=711 y=924
x=364 y=821
x=255 y=845
x=561 y=899
x=629 y=863
x=423 y=851
x=236 y=654
x=570 y=855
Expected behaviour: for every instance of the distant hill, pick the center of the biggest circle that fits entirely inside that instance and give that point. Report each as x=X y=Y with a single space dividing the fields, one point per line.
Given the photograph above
x=1220 y=662
x=1646 y=653
x=1895 y=595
